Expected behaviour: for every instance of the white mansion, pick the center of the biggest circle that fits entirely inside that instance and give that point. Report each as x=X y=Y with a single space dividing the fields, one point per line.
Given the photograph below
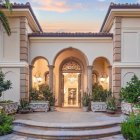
x=70 y=62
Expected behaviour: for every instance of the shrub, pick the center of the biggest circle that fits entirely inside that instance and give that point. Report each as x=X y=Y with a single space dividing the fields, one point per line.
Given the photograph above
x=52 y=100
x=85 y=99
x=5 y=124
x=34 y=94
x=4 y=84
x=131 y=92
x=111 y=104
x=99 y=94
x=131 y=127
x=24 y=104
x=45 y=90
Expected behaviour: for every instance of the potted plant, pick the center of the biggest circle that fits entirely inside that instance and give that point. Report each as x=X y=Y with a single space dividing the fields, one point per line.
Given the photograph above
x=52 y=102
x=85 y=101
x=24 y=106
x=99 y=97
x=111 y=105
x=40 y=98
x=129 y=95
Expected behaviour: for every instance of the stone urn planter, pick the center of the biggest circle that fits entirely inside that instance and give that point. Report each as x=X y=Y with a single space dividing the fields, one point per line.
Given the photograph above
x=126 y=108
x=136 y=110
x=10 y=108
x=98 y=106
x=40 y=106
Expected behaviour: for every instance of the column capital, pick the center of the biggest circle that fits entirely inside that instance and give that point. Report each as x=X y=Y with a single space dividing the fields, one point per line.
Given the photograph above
x=90 y=66
x=51 y=66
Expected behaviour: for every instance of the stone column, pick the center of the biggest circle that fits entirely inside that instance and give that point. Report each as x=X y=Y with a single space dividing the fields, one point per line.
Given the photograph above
x=110 y=76
x=117 y=57
x=24 y=51
x=51 y=67
x=30 y=76
x=89 y=78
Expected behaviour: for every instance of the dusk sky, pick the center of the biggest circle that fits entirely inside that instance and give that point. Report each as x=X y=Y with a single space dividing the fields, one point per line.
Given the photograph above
x=71 y=15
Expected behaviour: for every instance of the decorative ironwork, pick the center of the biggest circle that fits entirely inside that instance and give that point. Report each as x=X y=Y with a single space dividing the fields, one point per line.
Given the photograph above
x=71 y=65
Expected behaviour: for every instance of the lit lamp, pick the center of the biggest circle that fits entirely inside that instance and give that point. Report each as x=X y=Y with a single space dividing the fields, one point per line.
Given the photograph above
x=103 y=77
x=38 y=79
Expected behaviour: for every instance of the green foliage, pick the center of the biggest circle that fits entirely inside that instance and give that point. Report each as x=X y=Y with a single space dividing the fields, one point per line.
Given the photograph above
x=4 y=84
x=99 y=94
x=45 y=90
x=5 y=124
x=34 y=94
x=3 y=17
x=131 y=127
x=131 y=92
x=111 y=104
x=52 y=100
x=24 y=105
x=85 y=99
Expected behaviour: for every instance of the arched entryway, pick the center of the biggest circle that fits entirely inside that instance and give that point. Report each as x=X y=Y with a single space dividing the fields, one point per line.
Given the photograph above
x=40 y=72
x=102 y=72
x=70 y=68
x=70 y=79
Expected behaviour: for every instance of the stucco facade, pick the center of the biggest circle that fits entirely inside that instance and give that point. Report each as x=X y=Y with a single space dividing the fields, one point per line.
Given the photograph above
x=114 y=52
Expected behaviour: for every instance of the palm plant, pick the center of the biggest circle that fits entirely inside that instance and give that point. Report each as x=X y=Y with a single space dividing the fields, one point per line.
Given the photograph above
x=3 y=18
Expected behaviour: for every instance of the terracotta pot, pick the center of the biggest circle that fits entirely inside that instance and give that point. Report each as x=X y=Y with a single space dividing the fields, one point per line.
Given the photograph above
x=52 y=108
x=110 y=111
x=85 y=108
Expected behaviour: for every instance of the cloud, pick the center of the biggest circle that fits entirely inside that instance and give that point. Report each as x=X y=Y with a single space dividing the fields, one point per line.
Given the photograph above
x=56 y=5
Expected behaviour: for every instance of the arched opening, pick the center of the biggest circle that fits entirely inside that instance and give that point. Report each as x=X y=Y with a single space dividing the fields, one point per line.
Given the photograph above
x=101 y=73
x=66 y=73
x=71 y=72
x=40 y=72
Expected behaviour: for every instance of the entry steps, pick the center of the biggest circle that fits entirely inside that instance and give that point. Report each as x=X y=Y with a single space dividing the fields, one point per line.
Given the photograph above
x=66 y=131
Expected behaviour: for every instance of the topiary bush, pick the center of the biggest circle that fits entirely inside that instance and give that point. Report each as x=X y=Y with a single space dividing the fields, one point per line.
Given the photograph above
x=99 y=94
x=130 y=128
x=4 y=84
x=5 y=124
x=131 y=92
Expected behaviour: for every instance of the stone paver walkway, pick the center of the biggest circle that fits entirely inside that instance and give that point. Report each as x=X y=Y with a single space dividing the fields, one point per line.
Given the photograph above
x=69 y=116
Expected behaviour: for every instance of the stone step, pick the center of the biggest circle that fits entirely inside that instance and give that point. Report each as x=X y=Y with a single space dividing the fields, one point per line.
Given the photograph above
x=60 y=134
x=66 y=126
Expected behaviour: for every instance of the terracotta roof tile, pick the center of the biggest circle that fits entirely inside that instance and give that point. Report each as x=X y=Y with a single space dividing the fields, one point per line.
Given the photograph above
x=70 y=35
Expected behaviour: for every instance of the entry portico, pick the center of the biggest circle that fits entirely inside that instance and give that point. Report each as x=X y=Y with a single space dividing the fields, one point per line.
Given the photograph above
x=74 y=66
